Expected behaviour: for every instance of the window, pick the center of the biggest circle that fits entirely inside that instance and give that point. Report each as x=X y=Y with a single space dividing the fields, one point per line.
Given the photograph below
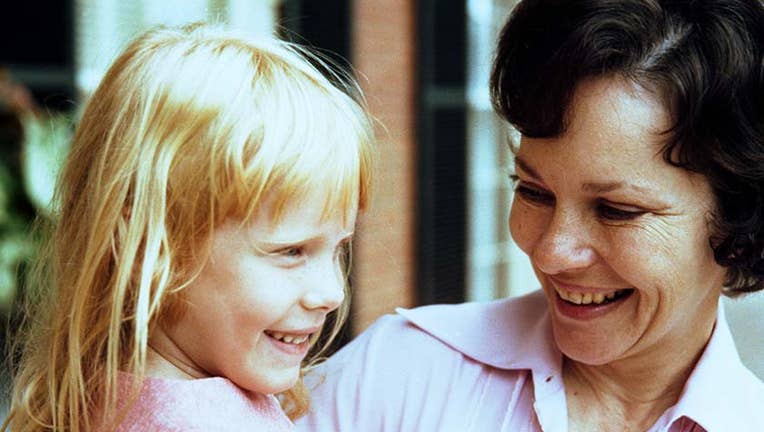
x=103 y=27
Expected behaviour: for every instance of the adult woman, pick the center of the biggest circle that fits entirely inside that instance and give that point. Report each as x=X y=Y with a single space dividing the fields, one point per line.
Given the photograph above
x=639 y=202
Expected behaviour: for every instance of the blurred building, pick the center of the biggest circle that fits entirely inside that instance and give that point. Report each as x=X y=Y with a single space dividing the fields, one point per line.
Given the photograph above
x=437 y=229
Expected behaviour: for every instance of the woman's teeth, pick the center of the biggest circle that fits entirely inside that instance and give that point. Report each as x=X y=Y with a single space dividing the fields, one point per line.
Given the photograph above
x=591 y=298
x=287 y=338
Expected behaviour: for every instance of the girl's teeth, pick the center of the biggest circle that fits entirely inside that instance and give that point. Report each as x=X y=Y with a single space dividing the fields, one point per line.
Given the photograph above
x=290 y=339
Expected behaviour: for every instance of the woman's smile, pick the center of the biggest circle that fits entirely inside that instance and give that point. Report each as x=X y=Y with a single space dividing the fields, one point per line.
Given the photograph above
x=617 y=237
x=586 y=303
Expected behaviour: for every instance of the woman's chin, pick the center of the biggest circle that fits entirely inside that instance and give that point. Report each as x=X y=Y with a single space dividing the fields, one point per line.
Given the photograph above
x=594 y=348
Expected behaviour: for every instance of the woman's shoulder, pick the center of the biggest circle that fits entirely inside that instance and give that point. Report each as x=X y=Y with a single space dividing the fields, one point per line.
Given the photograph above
x=454 y=334
x=472 y=329
x=428 y=368
x=198 y=405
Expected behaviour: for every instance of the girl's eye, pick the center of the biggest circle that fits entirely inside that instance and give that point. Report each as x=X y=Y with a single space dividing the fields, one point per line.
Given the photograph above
x=292 y=252
x=342 y=251
x=613 y=213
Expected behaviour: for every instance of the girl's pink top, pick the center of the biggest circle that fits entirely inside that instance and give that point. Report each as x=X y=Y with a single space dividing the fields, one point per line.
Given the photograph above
x=494 y=367
x=208 y=404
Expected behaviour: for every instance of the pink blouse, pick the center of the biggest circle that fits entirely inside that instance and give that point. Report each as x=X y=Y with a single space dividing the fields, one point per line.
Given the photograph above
x=494 y=367
x=209 y=404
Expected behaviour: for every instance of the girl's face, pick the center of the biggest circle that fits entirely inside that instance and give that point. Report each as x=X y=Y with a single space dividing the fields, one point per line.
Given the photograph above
x=618 y=237
x=266 y=288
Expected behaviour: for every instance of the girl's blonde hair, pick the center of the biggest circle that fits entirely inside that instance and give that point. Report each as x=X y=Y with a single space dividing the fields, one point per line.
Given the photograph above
x=189 y=127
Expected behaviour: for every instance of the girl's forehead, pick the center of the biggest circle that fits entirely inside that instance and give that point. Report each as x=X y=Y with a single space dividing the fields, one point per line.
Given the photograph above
x=300 y=222
x=308 y=205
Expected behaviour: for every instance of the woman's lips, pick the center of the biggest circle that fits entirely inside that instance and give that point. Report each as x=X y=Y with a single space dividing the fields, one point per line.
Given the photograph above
x=584 y=303
x=593 y=298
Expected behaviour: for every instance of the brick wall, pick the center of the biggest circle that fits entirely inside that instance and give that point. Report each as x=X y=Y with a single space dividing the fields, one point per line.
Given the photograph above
x=384 y=261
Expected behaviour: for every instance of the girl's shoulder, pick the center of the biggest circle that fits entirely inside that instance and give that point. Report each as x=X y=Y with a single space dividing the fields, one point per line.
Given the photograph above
x=198 y=405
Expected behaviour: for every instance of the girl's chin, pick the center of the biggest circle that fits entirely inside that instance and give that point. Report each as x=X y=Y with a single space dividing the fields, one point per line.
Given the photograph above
x=274 y=382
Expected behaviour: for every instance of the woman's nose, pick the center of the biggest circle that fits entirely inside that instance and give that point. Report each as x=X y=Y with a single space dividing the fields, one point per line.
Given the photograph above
x=564 y=244
x=325 y=287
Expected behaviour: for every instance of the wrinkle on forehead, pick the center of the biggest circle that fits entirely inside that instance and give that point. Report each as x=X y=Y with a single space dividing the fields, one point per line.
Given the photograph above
x=614 y=140
x=636 y=110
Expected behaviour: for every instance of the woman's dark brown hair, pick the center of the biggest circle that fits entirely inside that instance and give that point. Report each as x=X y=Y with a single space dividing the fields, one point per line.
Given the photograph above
x=702 y=58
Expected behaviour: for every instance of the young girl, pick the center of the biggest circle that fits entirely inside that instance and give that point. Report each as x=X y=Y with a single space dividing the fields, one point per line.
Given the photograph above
x=202 y=221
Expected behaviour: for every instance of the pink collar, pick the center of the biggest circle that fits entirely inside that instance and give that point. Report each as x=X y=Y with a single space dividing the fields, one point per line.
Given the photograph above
x=516 y=334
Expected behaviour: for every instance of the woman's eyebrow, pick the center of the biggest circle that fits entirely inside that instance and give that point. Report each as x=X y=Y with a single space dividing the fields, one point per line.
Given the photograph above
x=519 y=162
x=593 y=187
x=604 y=187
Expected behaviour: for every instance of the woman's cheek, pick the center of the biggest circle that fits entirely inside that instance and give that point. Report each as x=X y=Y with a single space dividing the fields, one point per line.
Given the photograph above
x=521 y=226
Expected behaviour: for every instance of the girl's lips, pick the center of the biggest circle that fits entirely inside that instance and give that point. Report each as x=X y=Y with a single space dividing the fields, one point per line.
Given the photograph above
x=291 y=344
x=295 y=342
x=297 y=331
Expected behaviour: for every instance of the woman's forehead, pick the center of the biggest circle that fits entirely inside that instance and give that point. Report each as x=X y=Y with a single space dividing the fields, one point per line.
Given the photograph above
x=614 y=137
x=616 y=106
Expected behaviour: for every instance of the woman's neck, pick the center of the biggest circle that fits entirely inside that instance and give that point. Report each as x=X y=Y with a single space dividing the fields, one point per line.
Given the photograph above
x=631 y=393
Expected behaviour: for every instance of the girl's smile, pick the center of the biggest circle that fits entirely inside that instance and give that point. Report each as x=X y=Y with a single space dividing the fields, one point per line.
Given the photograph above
x=262 y=297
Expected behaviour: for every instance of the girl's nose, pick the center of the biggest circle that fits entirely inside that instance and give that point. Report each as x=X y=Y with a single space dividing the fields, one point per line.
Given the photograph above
x=325 y=287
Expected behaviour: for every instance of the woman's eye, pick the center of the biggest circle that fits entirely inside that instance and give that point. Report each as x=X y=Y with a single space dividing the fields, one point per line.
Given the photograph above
x=610 y=212
x=534 y=195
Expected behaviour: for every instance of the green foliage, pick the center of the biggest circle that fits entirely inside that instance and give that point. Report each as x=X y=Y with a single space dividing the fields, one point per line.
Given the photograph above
x=29 y=164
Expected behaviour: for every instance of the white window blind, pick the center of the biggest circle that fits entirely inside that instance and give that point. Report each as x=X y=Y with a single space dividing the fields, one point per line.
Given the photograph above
x=104 y=27
x=495 y=266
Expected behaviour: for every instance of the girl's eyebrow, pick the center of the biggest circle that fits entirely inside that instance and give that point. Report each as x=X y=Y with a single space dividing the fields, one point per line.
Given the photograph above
x=276 y=243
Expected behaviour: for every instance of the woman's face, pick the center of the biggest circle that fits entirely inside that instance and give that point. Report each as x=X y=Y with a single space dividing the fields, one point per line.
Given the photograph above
x=265 y=290
x=618 y=237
